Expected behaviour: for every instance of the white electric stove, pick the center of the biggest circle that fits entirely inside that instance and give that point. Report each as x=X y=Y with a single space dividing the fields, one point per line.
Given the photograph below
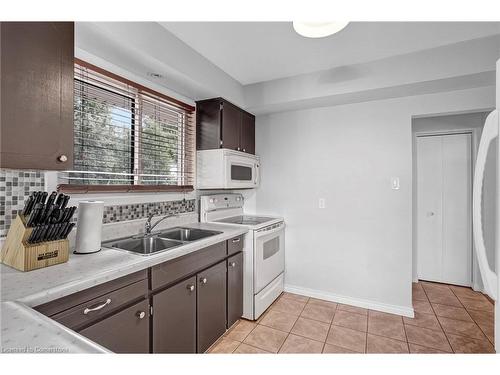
x=263 y=249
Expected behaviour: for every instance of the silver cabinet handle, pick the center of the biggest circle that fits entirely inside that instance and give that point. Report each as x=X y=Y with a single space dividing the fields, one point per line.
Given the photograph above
x=232 y=264
x=244 y=150
x=236 y=240
x=62 y=158
x=190 y=288
x=203 y=280
x=90 y=309
x=141 y=314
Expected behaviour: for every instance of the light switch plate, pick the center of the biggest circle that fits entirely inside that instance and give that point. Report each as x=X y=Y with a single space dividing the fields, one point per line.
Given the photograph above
x=395 y=183
x=321 y=203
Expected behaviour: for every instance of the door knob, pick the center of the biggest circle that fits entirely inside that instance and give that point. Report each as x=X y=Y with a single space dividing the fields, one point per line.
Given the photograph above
x=203 y=280
x=62 y=158
x=141 y=314
x=232 y=264
x=190 y=288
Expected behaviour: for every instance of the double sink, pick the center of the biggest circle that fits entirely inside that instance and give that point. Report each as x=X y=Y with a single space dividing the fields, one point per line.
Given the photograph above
x=161 y=241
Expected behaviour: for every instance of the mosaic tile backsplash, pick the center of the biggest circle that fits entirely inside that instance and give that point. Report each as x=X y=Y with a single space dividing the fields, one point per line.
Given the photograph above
x=15 y=187
x=114 y=214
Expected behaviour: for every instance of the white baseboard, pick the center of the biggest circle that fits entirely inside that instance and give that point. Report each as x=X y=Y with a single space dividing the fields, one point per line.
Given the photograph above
x=359 y=302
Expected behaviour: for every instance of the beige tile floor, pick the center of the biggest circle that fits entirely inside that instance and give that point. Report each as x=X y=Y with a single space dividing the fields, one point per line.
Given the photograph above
x=448 y=319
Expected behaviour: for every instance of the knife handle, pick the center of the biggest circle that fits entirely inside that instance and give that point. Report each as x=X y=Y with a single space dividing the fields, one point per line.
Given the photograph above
x=32 y=235
x=65 y=202
x=68 y=230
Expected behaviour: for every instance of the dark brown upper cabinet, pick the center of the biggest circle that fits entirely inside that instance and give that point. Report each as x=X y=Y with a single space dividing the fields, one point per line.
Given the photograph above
x=247 y=133
x=221 y=124
x=37 y=95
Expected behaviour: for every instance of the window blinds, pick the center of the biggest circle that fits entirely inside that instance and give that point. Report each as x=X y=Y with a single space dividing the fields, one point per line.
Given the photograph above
x=126 y=135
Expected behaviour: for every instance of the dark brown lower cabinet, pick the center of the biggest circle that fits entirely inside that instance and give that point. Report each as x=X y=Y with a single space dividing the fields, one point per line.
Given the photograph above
x=234 y=289
x=174 y=318
x=123 y=332
x=211 y=303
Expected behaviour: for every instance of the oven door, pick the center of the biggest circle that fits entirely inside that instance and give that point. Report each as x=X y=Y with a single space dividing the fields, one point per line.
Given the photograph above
x=241 y=172
x=269 y=259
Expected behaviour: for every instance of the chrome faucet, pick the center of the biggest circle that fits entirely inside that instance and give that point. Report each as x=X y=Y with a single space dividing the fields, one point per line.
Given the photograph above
x=148 y=228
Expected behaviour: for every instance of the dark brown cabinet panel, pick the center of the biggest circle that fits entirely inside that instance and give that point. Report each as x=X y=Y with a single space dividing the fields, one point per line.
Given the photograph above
x=211 y=304
x=93 y=310
x=193 y=298
x=124 y=332
x=235 y=245
x=208 y=124
x=37 y=95
x=174 y=270
x=231 y=124
x=247 y=133
x=221 y=124
x=174 y=318
x=234 y=288
x=63 y=304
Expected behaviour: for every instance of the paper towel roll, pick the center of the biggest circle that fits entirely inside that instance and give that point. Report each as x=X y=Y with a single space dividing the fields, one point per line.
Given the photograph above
x=89 y=227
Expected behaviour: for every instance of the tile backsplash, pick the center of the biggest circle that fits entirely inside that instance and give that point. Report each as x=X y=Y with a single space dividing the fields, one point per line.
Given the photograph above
x=125 y=212
x=15 y=187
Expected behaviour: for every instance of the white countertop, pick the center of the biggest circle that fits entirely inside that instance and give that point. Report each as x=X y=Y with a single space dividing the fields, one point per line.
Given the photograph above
x=19 y=291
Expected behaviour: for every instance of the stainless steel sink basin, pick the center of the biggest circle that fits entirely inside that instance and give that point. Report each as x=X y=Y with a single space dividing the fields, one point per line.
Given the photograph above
x=145 y=245
x=163 y=241
x=187 y=234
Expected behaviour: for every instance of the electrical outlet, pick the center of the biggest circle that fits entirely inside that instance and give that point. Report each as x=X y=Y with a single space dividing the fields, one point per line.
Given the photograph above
x=321 y=203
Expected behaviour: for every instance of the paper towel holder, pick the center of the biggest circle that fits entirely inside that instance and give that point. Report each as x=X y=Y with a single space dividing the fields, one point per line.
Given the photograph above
x=85 y=224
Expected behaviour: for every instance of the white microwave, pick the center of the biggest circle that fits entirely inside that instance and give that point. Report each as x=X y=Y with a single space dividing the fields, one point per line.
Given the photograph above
x=226 y=169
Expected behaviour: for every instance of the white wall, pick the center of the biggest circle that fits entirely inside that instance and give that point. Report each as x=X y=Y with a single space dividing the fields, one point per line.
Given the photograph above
x=360 y=246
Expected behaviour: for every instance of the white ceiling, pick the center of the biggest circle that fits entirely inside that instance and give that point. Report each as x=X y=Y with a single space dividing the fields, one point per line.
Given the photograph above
x=253 y=52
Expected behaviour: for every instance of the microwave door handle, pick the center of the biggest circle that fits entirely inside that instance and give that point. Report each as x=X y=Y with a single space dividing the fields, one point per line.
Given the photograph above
x=490 y=131
x=257 y=174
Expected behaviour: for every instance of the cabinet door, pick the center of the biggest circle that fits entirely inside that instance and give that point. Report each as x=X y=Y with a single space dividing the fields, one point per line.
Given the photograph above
x=211 y=298
x=234 y=288
x=231 y=124
x=174 y=318
x=247 y=134
x=123 y=332
x=37 y=95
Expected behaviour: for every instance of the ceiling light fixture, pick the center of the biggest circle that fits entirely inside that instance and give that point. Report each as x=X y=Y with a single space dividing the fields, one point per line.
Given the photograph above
x=318 y=29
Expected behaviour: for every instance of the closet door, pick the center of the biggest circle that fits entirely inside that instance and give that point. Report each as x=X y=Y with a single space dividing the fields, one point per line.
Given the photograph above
x=444 y=177
x=457 y=193
x=429 y=208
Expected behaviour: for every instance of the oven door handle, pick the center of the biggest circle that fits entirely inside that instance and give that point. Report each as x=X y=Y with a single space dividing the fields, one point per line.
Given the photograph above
x=260 y=234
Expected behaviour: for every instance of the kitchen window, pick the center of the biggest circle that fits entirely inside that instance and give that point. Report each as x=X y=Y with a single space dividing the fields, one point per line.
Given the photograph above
x=128 y=137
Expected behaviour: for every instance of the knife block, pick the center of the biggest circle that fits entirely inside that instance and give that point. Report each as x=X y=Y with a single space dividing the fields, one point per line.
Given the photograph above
x=19 y=254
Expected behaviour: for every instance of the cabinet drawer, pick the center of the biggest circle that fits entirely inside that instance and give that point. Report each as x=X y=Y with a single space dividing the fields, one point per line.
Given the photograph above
x=124 y=332
x=235 y=245
x=176 y=269
x=64 y=303
x=88 y=312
